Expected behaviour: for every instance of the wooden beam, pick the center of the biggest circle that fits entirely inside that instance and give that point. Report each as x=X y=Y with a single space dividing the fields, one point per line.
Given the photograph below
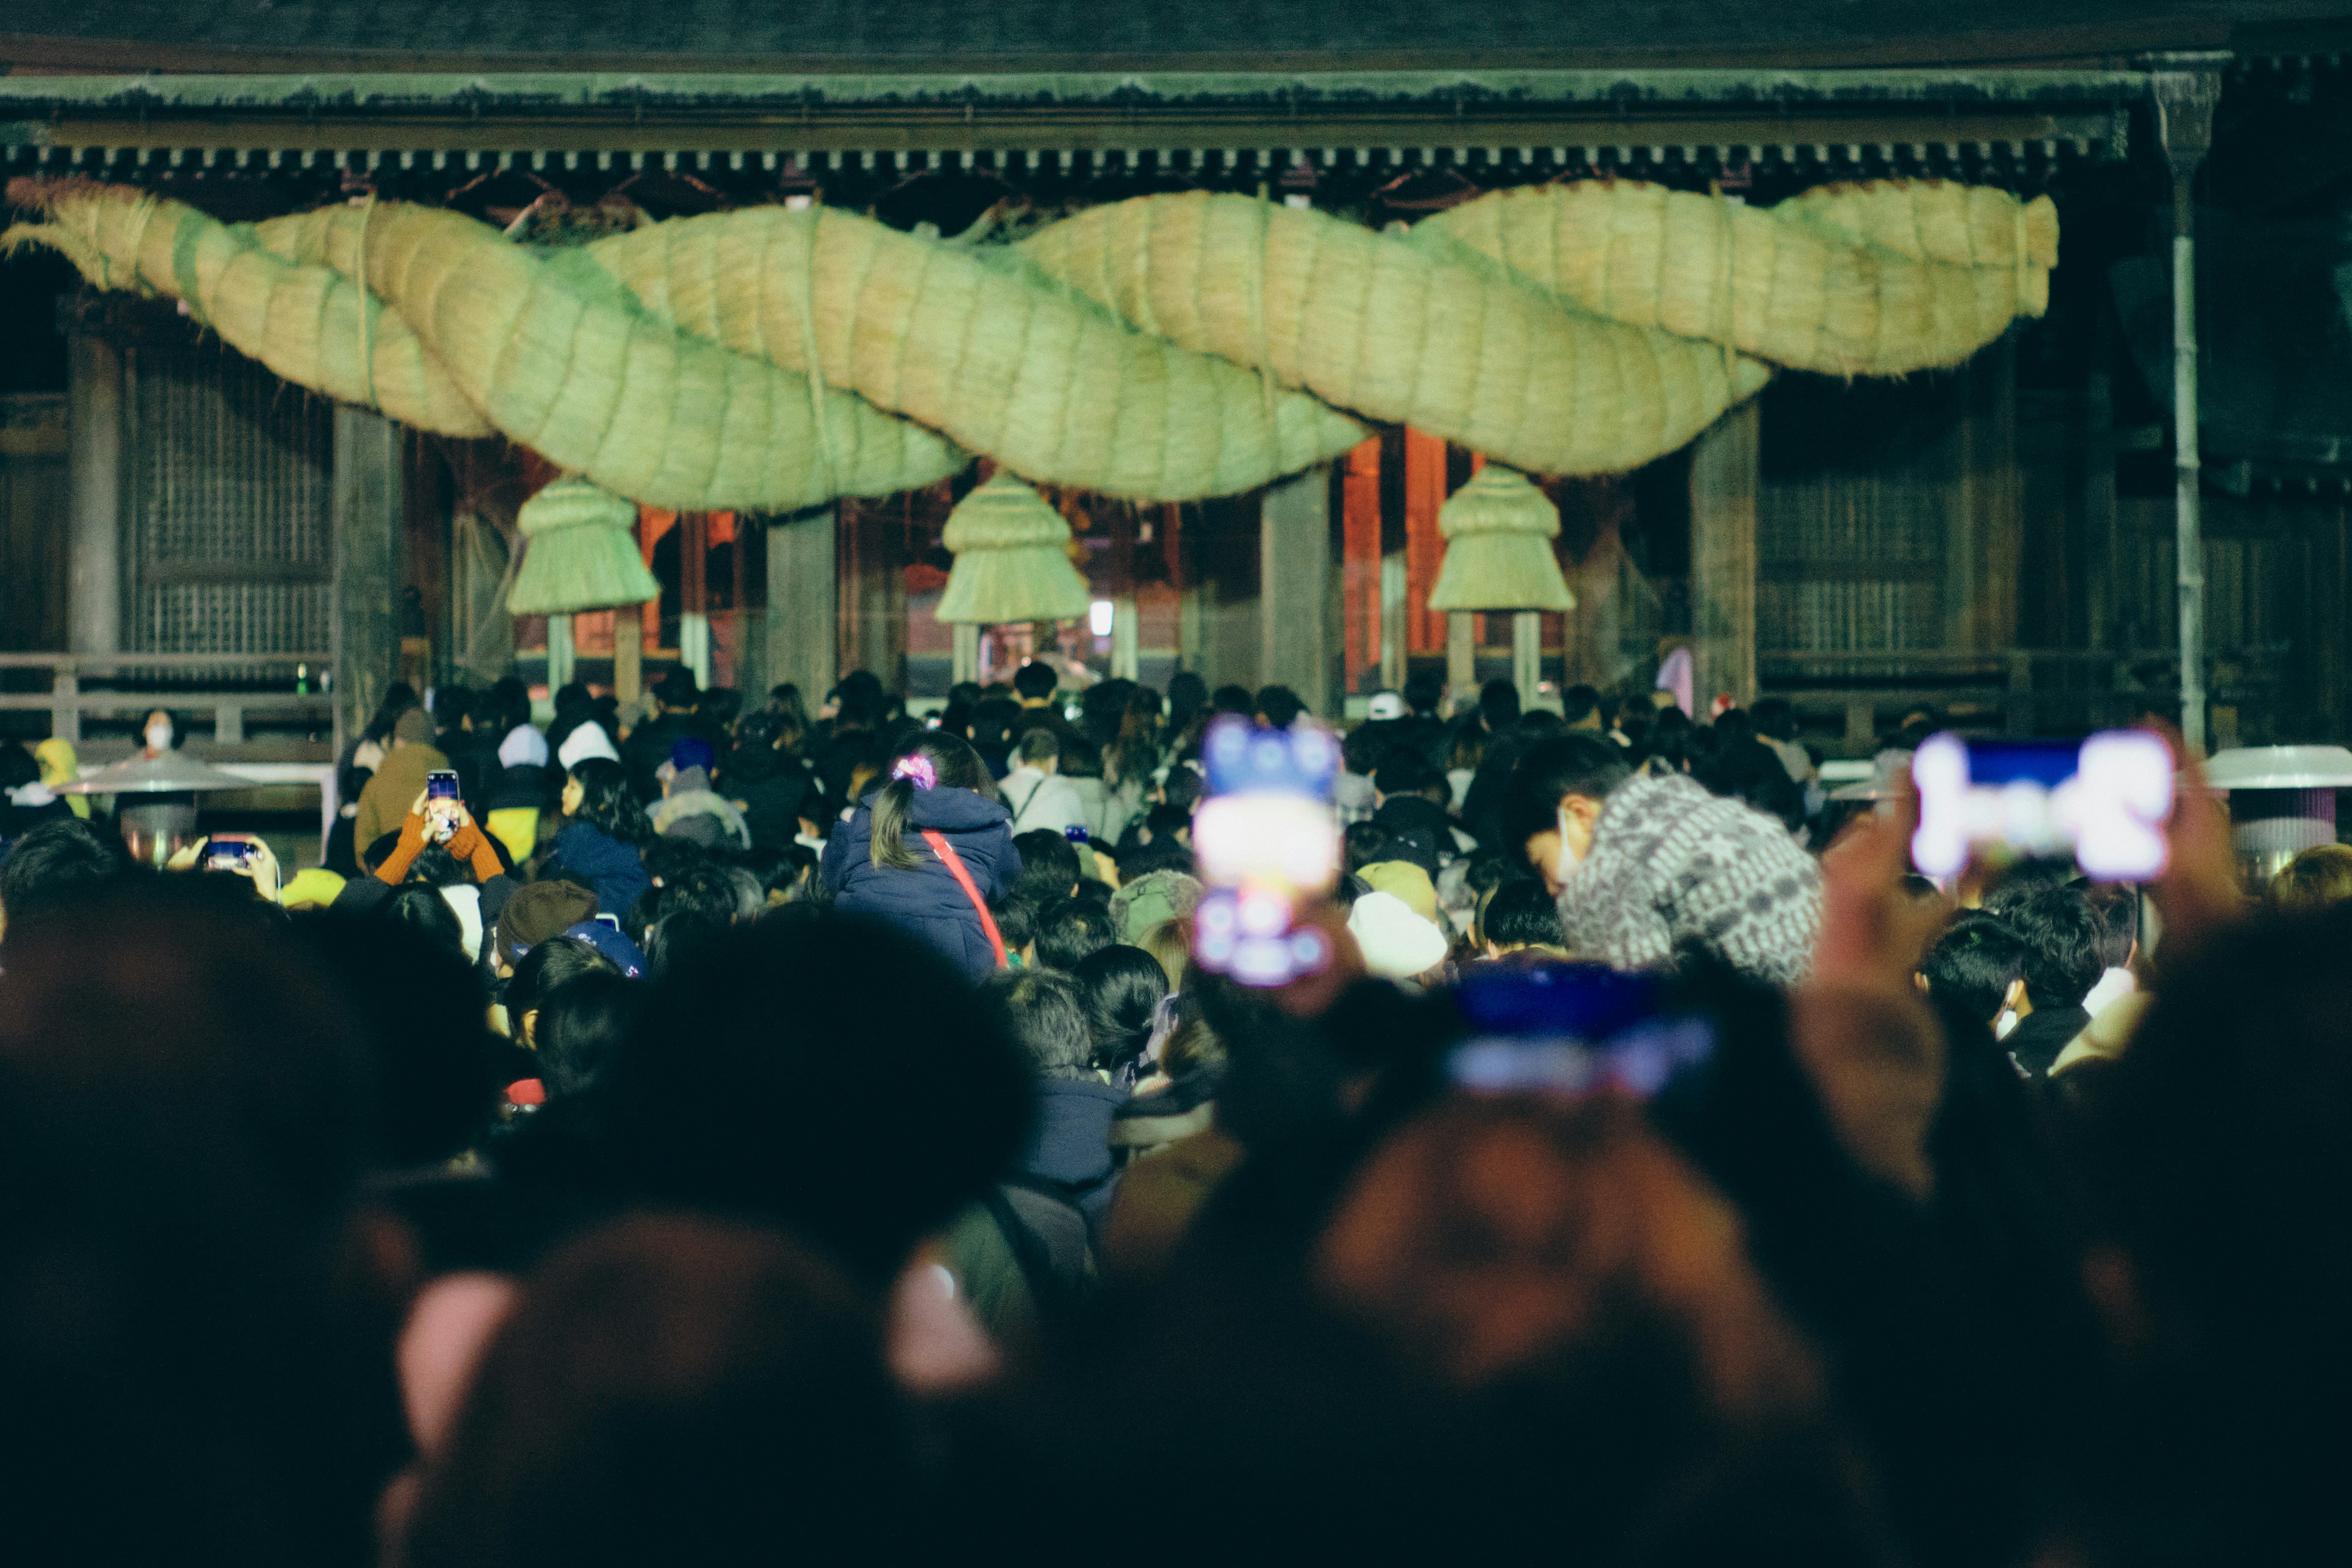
x=95 y=451
x=1723 y=480
x=802 y=590
x=1294 y=587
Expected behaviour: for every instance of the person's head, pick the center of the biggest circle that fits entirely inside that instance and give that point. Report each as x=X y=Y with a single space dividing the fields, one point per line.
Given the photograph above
x=2062 y=940
x=1498 y=706
x=1580 y=708
x=420 y=907
x=413 y=727
x=667 y=1389
x=690 y=754
x=991 y=727
x=1043 y=1009
x=578 y=1028
x=1230 y=699
x=785 y=701
x=50 y=865
x=1169 y=943
x=2116 y=906
x=1278 y=706
x=1041 y=749
x=597 y=792
x=184 y=1129
x=2315 y=879
x=160 y=731
x=1405 y=772
x=551 y=964
x=1035 y=681
x=1520 y=914
x=1775 y=718
x=1976 y=966
x=677 y=690
x=1119 y=988
x=761 y=1109
x=1188 y=693
x=1049 y=866
x=1745 y=769
x=1424 y=692
x=1363 y=844
x=398 y=699
x=1554 y=800
x=928 y=759
x=1182 y=789
x=1071 y=929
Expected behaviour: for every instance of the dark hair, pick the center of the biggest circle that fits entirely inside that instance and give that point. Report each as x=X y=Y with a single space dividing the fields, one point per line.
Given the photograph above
x=1035 y=681
x=1039 y=744
x=51 y=866
x=1576 y=702
x=1550 y=771
x=17 y=767
x=674 y=1388
x=1406 y=771
x=581 y=1024
x=1364 y=844
x=1424 y=690
x=760 y=1110
x=1734 y=725
x=2062 y=940
x=1498 y=705
x=1164 y=853
x=1119 y=988
x=1745 y=769
x=1775 y=717
x=398 y=699
x=421 y=907
x=1016 y=921
x=1183 y=787
x=1278 y=706
x=607 y=804
x=2117 y=906
x=548 y=965
x=1520 y=913
x=958 y=767
x=784 y=699
x=1042 y=1007
x=1049 y=864
x=1231 y=698
x=1188 y=693
x=1071 y=929
x=1973 y=964
x=992 y=718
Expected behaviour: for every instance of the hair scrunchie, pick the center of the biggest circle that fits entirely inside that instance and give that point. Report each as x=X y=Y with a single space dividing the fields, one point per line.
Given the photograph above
x=916 y=769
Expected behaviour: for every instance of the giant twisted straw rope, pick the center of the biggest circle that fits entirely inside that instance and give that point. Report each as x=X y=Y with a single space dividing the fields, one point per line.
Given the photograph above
x=1166 y=348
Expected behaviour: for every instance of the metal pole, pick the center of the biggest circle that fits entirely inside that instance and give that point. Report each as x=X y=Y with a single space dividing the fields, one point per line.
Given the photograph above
x=2185 y=95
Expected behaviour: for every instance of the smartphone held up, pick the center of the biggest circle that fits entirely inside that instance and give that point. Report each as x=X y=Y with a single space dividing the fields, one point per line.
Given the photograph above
x=1267 y=842
x=2101 y=802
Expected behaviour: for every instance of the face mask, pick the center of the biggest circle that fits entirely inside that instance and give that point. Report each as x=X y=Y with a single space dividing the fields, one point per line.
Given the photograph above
x=1567 y=862
x=159 y=736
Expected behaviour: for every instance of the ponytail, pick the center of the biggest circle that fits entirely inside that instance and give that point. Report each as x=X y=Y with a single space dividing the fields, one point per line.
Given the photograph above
x=892 y=807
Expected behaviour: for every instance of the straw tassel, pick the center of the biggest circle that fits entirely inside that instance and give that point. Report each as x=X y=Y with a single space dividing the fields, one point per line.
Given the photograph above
x=1011 y=559
x=1498 y=530
x=581 y=552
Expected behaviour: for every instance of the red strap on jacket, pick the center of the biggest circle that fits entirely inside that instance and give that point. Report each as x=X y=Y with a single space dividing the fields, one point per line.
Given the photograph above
x=954 y=863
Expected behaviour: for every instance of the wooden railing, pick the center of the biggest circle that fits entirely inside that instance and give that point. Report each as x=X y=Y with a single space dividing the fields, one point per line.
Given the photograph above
x=67 y=699
x=2018 y=692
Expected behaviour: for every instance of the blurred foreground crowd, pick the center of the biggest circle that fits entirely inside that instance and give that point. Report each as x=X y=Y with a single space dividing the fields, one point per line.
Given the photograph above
x=740 y=1136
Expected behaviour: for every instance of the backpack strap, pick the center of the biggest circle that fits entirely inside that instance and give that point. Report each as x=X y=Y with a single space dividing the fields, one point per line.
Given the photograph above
x=954 y=863
x=1029 y=1254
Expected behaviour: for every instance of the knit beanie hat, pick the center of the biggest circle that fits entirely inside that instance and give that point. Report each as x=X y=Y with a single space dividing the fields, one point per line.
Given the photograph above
x=415 y=727
x=1397 y=943
x=1150 y=899
x=693 y=751
x=537 y=911
x=524 y=747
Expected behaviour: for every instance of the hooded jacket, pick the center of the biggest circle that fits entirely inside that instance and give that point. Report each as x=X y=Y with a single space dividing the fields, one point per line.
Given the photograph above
x=614 y=870
x=690 y=795
x=925 y=898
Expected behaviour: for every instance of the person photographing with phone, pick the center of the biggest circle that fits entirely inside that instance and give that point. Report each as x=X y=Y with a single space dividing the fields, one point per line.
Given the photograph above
x=385 y=802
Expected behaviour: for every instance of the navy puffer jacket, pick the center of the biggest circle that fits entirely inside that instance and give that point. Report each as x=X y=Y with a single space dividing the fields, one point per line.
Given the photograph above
x=925 y=898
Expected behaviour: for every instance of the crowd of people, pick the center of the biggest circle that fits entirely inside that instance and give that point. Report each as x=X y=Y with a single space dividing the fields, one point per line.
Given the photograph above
x=726 y=1135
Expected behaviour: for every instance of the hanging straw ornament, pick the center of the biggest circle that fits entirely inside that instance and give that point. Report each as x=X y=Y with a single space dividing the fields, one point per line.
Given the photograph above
x=1011 y=559
x=582 y=552
x=1498 y=530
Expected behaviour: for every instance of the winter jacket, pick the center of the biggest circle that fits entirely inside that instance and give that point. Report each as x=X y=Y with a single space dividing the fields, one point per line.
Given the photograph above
x=690 y=796
x=614 y=871
x=383 y=804
x=925 y=898
x=1672 y=863
x=1040 y=799
x=2034 y=1045
x=775 y=796
x=1032 y=1236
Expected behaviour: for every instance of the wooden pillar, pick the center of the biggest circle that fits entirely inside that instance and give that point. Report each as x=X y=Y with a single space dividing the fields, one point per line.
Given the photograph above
x=1462 y=658
x=366 y=511
x=94 y=463
x=560 y=653
x=628 y=655
x=694 y=594
x=802 y=589
x=873 y=593
x=1723 y=558
x=1986 y=554
x=964 y=663
x=1527 y=656
x=1294 y=587
x=1126 y=636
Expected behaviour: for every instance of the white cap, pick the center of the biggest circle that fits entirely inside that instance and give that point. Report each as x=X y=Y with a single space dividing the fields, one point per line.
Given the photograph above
x=1385 y=705
x=1397 y=943
x=588 y=741
x=524 y=747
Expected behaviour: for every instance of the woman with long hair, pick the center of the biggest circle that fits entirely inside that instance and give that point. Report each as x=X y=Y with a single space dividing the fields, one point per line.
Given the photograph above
x=604 y=831
x=928 y=849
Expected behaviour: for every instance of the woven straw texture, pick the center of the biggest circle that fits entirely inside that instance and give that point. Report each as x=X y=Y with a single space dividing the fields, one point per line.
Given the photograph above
x=1498 y=530
x=1873 y=280
x=1011 y=559
x=1168 y=348
x=582 y=553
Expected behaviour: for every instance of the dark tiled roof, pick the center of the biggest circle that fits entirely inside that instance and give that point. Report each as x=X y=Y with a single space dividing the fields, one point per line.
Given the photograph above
x=973 y=35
